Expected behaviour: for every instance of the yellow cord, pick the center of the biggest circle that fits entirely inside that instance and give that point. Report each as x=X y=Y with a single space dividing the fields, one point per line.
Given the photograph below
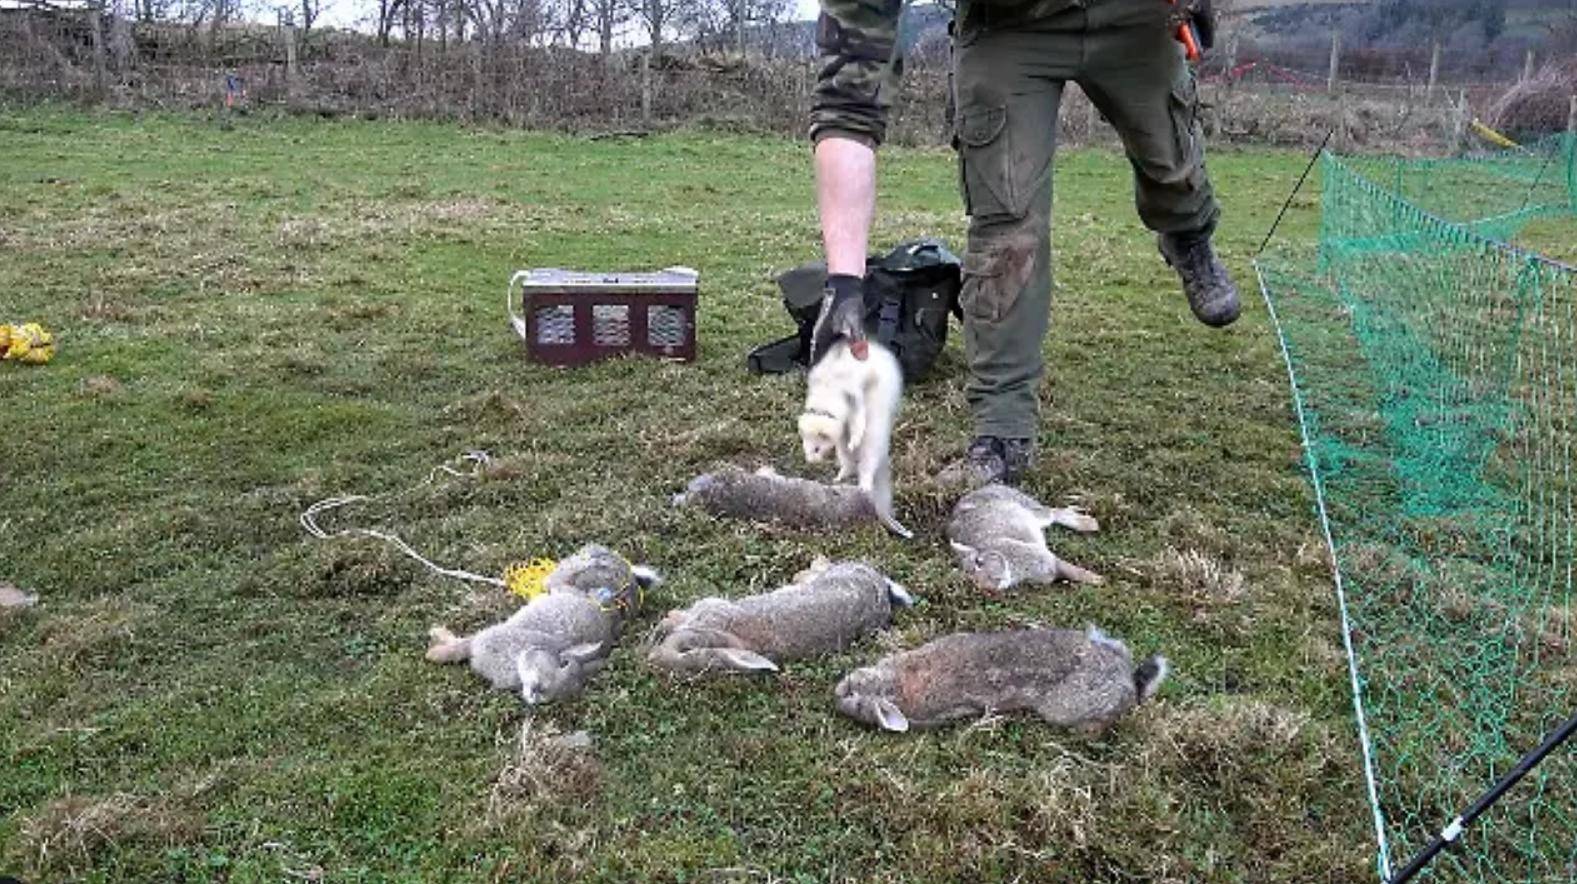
x=1492 y=136
x=28 y=343
x=529 y=579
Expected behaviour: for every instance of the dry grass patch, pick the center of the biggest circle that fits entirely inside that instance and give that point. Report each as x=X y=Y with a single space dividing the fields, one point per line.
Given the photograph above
x=1225 y=740
x=543 y=766
x=72 y=640
x=61 y=840
x=99 y=386
x=303 y=233
x=101 y=307
x=1203 y=581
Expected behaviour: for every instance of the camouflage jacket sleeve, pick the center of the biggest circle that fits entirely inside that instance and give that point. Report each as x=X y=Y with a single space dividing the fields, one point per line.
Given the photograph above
x=860 y=69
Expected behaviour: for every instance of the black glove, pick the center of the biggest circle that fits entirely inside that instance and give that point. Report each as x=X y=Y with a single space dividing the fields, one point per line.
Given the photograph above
x=842 y=316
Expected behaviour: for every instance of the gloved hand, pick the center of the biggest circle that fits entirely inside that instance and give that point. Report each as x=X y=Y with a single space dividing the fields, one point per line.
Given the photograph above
x=842 y=316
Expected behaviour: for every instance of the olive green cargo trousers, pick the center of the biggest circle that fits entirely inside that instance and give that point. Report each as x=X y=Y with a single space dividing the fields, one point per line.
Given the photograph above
x=1010 y=65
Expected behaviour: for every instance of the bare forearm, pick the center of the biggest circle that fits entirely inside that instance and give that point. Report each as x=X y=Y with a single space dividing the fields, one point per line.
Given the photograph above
x=846 y=196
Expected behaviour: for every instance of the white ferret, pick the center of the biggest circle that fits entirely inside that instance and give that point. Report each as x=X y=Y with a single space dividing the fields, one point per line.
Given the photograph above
x=850 y=408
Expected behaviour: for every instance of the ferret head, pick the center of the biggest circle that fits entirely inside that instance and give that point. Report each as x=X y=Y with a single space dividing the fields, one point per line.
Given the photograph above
x=546 y=675
x=820 y=432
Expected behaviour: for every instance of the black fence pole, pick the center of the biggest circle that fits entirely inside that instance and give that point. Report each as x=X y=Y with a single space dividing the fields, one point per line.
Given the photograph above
x=1313 y=158
x=1453 y=831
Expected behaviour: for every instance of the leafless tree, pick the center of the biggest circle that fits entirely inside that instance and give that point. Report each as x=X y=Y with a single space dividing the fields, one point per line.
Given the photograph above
x=656 y=15
x=310 y=10
x=607 y=16
x=737 y=24
x=390 y=11
x=572 y=19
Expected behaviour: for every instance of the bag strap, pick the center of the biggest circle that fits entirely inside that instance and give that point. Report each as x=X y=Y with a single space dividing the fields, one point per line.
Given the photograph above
x=887 y=321
x=777 y=357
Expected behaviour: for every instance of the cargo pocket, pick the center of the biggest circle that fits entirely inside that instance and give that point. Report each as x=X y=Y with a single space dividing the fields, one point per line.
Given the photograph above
x=984 y=162
x=993 y=280
x=1184 y=106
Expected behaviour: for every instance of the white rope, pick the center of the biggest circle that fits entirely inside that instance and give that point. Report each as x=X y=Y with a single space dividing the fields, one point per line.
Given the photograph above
x=309 y=519
x=515 y=319
x=1341 y=594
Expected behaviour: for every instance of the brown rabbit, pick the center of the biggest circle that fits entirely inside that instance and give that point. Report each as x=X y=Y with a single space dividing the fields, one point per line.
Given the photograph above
x=1081 y=680
x=766 y=496
x=824 y=611
x=998 y=534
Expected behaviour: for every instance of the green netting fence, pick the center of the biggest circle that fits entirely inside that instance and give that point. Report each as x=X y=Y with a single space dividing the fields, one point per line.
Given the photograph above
x=1432 y=350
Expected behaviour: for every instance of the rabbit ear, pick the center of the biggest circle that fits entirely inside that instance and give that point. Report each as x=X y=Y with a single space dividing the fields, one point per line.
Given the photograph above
x=581 y=653
x=745 y=661
x=889 y=716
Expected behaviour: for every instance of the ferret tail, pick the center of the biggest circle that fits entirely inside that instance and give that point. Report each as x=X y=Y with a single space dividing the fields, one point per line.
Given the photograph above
x=896 y=527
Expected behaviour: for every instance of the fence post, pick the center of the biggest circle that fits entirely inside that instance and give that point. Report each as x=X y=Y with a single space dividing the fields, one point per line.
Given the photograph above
x=1434 y=70
x=1459 y=122
x=739 y=27
x=1343 y=135
x=1527 y=65
x=1336 y=50
x=1571 y=115
x=96 y=23
x=646 y=88
x=289 y=31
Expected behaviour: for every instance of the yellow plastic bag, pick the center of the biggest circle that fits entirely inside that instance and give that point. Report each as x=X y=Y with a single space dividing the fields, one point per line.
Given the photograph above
x=28 y=343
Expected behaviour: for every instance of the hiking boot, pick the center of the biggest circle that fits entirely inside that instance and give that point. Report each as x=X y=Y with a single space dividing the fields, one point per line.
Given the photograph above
x=989 y=459
x=1211 y=294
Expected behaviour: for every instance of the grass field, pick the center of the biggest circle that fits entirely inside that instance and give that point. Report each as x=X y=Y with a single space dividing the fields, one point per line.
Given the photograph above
x=253 y=318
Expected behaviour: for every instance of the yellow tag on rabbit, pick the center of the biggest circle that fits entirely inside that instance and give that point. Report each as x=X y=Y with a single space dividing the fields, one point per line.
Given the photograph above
x=529 y=579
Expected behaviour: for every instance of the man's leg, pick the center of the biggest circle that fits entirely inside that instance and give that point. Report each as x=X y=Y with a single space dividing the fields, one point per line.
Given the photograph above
x=1136 y=75
x=1006 y=125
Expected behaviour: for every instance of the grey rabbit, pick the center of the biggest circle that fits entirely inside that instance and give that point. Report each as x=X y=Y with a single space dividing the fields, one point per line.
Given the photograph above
x=1076 y=679
x=826 y=609
x=767 y=496
x=11 y=597
x=550 y=648
x=998 y=534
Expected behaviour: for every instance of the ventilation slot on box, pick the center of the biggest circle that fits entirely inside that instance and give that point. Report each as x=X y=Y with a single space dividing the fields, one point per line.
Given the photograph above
x=610 y=325
x=665 y=326
x=556 y=325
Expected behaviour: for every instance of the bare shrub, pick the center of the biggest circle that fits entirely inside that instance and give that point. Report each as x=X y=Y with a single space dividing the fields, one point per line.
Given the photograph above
x=1538 y=104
